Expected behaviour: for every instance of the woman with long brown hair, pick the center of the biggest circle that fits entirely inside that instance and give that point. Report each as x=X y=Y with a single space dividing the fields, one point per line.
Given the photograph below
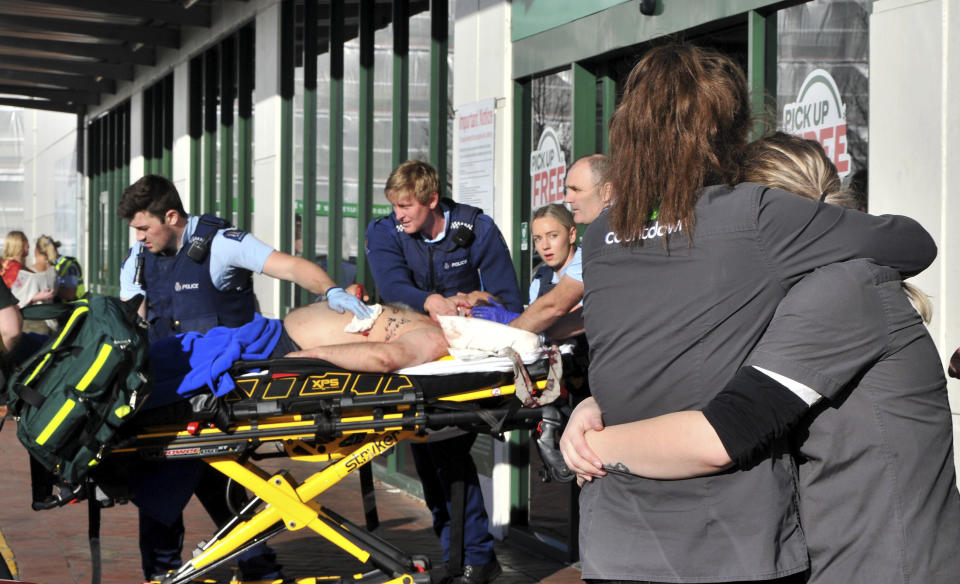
x=682 y=275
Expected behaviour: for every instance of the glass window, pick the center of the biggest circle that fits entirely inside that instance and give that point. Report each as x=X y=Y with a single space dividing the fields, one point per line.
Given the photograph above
x=11 y=168
x=551 y=99
x=823 y=80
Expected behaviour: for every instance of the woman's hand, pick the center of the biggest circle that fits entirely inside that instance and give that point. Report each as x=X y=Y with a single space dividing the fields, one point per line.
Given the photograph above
x=43 y=296
x=573 y=444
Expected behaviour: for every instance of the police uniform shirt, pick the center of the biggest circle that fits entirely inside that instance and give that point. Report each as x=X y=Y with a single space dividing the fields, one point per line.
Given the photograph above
x=669 y=326
x=410 y=273
x=878 y=496
x=233 y=253
x=574 y=269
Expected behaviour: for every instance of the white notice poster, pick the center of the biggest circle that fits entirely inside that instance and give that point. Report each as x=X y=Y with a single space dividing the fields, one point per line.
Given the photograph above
x=475 y=139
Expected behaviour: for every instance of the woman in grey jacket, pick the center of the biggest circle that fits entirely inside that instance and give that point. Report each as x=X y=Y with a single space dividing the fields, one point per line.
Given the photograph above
x=681 y=277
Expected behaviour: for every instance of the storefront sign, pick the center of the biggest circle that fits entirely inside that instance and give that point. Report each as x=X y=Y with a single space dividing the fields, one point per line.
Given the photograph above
x=818 y=114
x=476 y=130
x=548 y=169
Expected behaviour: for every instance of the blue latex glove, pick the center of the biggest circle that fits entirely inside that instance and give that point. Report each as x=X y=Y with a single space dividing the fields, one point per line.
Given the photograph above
x=340 y=300
x=497 y=313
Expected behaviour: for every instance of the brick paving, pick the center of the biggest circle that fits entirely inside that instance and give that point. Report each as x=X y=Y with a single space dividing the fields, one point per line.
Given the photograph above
x=51 y=547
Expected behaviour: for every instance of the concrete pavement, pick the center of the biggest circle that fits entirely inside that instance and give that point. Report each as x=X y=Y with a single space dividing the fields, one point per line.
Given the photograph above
x=52 y=547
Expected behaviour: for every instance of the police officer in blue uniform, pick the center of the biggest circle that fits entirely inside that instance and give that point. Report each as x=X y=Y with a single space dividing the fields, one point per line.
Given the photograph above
x=423 y=253
x=195 y=274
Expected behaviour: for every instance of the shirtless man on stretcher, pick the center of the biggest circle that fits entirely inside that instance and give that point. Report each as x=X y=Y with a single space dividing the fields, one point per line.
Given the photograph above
x=398 y=338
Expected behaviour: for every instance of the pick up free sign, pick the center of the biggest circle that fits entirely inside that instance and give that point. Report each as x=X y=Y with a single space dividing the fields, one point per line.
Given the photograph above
x=818 y=114
x=548 y=168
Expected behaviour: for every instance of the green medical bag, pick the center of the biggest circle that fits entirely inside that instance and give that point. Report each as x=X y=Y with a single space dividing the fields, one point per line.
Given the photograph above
x=73 y=394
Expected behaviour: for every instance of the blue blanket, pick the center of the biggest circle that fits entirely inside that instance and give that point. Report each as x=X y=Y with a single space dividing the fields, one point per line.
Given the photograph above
x=191 y=362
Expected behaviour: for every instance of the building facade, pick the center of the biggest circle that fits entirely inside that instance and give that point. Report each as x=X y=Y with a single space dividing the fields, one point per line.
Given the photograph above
x=279 y=113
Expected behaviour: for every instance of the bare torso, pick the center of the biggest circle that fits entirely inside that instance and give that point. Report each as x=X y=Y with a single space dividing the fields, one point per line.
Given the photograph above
x=317 y=325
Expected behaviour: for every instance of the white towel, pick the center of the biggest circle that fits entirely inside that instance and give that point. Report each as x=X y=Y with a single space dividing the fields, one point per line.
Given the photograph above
x=358 y=325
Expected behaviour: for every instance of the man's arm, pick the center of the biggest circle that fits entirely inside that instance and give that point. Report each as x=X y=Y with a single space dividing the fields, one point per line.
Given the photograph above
x=547 y=309
x=409 y=349
x=300 y=271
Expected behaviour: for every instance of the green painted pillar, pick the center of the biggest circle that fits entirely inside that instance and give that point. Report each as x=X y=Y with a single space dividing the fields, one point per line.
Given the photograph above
x=124 y=239
x=93 y=206
x=522 y=144
x=584 y=112
x=608 y=105
x=228 y=67
x=210 y=63
x=245 y=54
x=308 y=221
x=439 y=40
x=286 y=141
x=401 y=81
x=166 y=115
x=762 y=70
x=195 y=131
x=335 y=218
x=365 y=113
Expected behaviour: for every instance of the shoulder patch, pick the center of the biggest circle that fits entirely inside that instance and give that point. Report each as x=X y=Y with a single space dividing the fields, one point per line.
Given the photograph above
x=235 y=234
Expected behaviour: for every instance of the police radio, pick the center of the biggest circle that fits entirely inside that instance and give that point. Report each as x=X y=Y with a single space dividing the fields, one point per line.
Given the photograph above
x=463 y=236
x=199 y=246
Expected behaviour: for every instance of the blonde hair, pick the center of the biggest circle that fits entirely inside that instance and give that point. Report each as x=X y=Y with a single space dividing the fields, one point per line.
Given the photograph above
x=799 y=165
x=48 y=247
x=14 y=245
x=557 y=212
x=416 y=176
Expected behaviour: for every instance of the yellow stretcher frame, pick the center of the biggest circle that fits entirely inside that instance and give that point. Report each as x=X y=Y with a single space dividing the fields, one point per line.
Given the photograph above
x=281 y=503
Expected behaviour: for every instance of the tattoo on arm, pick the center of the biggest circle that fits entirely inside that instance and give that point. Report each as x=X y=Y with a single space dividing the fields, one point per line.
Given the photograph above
x=617 y=467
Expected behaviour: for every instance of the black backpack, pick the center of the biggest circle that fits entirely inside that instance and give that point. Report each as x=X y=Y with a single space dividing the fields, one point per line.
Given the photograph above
x=73 y=394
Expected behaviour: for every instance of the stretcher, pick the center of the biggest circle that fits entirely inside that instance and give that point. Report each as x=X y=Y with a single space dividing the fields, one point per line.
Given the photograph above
x=310 y=411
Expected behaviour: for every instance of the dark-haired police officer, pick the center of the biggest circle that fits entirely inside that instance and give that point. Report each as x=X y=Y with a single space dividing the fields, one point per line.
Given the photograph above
x=423 y=253
x=196 y=274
